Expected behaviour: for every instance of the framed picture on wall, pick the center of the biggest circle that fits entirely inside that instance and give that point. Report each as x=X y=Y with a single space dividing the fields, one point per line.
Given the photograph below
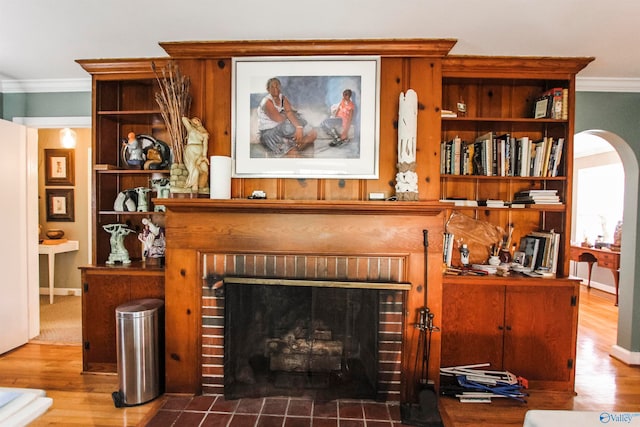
x=306 y=117
x=59 y=167
x=60 y=205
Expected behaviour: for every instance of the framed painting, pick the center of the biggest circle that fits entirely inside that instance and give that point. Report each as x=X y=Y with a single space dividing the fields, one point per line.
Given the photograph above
x=59 y=167
x=306 y=117
x=60 y=205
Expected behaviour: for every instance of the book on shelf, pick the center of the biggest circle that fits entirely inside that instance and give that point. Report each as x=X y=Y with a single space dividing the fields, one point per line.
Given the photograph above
x=492 y=203
x=537 y=197
x=461 y=202
x=548 y=249
x=529 y=245
x=448 y=113
x=501 y=155
x=484 y=144
x=447 y=246
x=552 y=104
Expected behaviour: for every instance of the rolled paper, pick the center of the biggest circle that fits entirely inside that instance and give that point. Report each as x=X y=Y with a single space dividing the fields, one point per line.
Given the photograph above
x=220 y=179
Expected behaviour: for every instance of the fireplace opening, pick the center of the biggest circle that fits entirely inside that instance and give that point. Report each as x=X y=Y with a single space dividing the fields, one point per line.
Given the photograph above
x=289 y=340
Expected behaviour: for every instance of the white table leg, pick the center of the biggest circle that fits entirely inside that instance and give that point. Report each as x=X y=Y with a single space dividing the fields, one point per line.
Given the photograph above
x=52 y=265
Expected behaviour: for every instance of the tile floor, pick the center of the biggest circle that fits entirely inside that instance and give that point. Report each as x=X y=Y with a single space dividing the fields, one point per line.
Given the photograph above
x=215 y=411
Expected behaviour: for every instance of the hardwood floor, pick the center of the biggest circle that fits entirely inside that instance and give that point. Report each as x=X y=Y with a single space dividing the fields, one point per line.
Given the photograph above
x=78 y=399
x=602 y=383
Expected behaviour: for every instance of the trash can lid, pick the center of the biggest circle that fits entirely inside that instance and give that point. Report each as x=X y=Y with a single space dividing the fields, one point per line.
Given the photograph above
x=139 y=307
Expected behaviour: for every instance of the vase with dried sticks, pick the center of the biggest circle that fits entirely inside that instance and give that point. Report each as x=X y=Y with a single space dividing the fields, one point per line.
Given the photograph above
x=174 y=101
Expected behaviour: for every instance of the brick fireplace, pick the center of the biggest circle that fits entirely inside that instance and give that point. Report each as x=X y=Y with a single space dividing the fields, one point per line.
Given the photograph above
x=367 y=280
x=385 y=244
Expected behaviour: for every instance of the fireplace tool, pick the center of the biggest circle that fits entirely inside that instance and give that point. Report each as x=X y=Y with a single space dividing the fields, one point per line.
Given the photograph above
x=425 y=413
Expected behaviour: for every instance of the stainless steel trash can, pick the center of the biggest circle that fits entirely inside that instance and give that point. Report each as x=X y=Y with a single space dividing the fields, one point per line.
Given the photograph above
x=140 y=350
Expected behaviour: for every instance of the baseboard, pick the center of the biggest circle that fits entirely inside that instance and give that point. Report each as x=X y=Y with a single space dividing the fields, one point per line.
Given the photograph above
x=624 y=355
x=62 y=291
x=610 y=289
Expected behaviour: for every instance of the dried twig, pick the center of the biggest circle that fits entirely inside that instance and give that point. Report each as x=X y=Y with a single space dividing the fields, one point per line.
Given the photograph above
x=174 y=101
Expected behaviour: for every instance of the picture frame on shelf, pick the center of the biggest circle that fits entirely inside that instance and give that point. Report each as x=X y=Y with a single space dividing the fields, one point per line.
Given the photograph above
x=316 y=147
x=59 y=166
x=60 y=205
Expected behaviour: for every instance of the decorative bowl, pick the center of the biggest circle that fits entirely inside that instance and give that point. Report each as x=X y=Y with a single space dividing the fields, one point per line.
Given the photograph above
x=55 y=233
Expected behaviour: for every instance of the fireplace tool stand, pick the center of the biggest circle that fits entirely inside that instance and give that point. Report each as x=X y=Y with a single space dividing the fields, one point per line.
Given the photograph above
x=425 y=413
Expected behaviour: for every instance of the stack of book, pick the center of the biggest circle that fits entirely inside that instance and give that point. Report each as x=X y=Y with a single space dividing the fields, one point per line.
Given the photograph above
x=540 y=249
x=537 y=197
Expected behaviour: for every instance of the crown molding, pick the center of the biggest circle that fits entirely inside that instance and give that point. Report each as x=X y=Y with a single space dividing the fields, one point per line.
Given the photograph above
x=54 y=122
x=583 y=84
x=45 y=86
x=604 y=84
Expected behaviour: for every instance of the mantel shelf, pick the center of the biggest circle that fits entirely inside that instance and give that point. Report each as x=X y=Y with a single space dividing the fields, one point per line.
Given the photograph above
x=426 y=208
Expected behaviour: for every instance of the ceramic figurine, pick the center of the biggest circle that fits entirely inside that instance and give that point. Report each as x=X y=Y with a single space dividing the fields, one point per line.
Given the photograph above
x=143 y=204
x=134 y=155
x=118 y=252
x=195 y=154
x=153 y=241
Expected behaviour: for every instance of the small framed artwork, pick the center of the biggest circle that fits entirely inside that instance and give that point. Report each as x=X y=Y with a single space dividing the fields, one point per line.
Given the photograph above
x=60 y=205
x=305 y=117
x=59 y=167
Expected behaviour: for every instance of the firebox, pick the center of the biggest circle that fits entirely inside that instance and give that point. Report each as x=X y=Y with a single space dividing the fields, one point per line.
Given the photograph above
x=300 y=337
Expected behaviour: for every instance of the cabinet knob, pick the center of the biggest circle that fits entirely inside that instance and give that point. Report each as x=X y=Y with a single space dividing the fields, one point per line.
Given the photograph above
x=508 y=328
x=500 y=327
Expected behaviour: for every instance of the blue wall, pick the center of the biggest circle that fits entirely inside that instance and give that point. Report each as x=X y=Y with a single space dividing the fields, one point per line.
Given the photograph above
x=55 y=104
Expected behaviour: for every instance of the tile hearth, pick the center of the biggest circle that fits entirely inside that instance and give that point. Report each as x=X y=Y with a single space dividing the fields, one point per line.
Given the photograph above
x=215 y=411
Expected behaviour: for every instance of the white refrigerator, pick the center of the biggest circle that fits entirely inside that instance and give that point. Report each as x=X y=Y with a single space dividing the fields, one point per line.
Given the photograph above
x=19 y=305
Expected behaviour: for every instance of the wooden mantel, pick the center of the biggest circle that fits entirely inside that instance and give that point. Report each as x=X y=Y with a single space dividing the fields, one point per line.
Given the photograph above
x=198 y=226
x=303 y=206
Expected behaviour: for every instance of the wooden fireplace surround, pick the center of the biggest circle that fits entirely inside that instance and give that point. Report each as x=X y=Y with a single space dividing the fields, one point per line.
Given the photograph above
x=197 y=226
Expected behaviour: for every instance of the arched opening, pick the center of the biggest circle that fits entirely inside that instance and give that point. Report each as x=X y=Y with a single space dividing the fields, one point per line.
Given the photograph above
x=622 y=350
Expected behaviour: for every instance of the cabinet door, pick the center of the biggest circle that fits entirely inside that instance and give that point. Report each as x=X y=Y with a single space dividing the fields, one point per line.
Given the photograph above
x=472 y=325
x=100 y=297
x=147 y=287
x=539 y=332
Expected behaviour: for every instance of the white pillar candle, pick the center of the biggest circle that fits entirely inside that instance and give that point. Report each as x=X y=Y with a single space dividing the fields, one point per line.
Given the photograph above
x=220 y=179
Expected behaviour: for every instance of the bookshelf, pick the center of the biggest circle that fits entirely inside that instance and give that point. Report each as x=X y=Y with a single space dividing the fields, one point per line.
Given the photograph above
x=519 y=323
x=124 y=102
x=501 y=96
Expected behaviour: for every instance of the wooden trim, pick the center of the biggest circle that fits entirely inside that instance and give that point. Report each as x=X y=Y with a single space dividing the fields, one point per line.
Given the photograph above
x=404 y=48
x=116 y=67
x=529 y=66
x=307 y=206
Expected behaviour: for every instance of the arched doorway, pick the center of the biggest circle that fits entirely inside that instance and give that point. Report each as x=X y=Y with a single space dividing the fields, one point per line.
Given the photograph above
x=627 y=262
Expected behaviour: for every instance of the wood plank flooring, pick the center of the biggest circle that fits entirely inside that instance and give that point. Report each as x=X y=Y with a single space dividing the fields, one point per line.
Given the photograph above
x=602 y=383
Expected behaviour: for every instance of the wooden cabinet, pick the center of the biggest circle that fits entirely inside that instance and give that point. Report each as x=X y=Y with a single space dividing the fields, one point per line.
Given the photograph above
x=526 y=326
x=104 y=289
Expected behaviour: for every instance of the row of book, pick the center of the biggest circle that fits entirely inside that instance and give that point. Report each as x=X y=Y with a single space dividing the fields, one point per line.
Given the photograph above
x=552 y=104
x=538 y=251
x=502 y=155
